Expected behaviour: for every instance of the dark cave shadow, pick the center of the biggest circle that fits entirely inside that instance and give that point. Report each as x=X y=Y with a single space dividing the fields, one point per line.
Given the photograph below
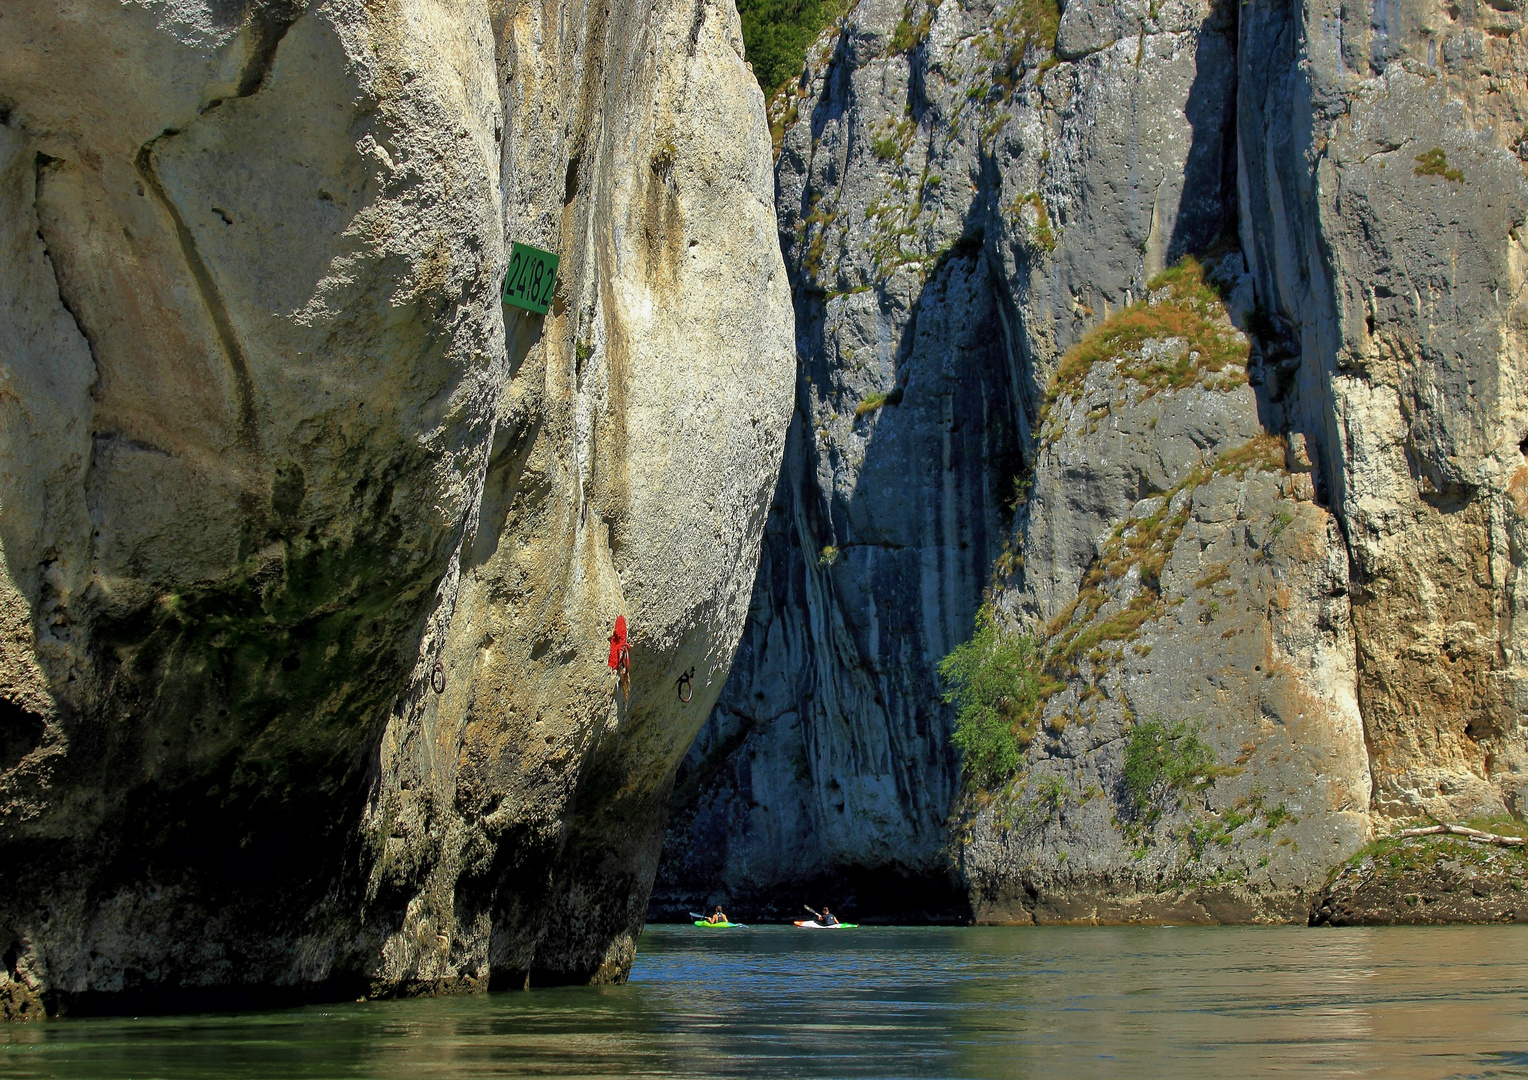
x=1269 y=76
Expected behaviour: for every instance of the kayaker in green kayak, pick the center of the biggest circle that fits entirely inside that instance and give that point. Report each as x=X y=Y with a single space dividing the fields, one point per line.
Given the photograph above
x=717 y=917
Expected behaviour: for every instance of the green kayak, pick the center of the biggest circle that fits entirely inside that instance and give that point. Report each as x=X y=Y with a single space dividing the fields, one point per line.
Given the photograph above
x=722 y=925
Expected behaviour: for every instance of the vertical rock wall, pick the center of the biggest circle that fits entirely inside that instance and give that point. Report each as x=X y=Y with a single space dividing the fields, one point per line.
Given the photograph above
x=1384 y=200
x=1306 y=553
x=1195 y=750
x=953 y=219
x=278 y=464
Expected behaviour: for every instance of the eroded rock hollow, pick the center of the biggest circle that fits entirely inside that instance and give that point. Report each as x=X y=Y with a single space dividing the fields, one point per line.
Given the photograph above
x=311 y=546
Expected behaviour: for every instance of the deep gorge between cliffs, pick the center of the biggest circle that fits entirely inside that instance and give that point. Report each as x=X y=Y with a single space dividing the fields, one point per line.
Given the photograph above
x=1182 y=342
x=958 y=211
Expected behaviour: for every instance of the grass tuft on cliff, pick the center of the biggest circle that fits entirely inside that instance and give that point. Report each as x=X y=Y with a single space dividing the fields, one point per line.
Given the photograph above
x=1180 y=305
x=1435 y=163
x=1040 y=232
x=877 y=399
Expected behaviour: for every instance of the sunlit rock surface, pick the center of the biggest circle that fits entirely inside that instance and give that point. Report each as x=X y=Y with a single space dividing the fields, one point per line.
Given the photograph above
x=311 y=547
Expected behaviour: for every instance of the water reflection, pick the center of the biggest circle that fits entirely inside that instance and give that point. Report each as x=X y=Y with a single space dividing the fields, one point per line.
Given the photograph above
x=944 y=1002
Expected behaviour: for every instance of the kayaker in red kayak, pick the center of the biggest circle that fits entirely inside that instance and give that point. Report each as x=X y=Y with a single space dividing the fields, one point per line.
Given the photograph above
x=824 y=917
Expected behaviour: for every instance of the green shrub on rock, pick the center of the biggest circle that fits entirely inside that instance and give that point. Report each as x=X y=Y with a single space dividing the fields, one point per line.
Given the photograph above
x=1435 y=163
x=1174 y=757
x=998 y=689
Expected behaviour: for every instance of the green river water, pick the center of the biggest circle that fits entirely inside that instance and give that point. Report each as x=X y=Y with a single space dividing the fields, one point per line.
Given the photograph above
x=895 y=1002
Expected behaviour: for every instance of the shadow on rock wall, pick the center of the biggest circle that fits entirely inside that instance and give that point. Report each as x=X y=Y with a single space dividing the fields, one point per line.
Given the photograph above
x=955 y=214
x=826 y=770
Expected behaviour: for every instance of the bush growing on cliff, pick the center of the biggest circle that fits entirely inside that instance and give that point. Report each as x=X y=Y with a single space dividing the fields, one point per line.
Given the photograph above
x=997 y=687
x=1173 y=756
x=777 y=34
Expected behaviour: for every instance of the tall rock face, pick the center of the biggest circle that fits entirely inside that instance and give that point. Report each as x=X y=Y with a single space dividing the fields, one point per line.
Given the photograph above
x=1195 y=750
x=954 y=214
x=1254 y=519
x=312 y=547
x=1384 y=202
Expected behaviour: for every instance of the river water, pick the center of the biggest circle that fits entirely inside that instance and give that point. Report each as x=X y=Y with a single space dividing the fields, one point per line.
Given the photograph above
x=887 y=1002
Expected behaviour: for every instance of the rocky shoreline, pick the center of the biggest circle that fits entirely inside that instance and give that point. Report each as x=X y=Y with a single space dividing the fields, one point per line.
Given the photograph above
x=1414 y=881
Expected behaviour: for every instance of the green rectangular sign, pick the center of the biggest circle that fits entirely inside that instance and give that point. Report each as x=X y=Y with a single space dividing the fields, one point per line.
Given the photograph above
x=532 y=273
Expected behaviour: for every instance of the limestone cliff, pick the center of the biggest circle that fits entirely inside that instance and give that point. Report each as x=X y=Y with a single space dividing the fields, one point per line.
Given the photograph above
x=311 y=547
x=1265 y=520
x=1197 y=751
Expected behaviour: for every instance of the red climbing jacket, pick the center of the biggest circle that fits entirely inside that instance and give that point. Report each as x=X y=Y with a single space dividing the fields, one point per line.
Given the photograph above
x=619 y=657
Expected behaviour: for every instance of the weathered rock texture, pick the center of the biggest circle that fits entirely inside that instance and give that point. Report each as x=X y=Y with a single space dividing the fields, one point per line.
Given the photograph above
x=1212 y=592
x=276 y=461
x=1336 y=606
x=1383 y=201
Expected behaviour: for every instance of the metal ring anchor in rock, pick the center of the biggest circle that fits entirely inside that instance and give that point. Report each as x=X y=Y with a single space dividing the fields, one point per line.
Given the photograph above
x=438 y=677
x=686 y=686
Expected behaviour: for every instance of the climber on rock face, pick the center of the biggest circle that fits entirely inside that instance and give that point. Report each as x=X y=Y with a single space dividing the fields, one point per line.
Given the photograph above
x=620 y=655
x=618 y=647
